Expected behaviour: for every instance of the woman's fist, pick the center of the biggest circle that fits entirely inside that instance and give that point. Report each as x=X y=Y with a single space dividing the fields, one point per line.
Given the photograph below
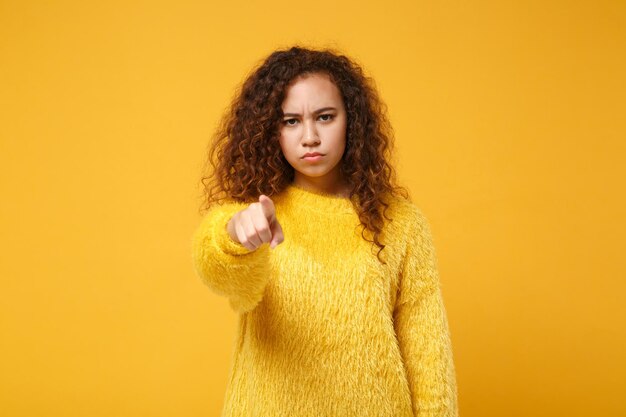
x=256 y=224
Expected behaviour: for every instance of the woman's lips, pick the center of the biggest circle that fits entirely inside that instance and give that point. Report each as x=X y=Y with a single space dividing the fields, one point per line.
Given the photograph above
x=313 y=158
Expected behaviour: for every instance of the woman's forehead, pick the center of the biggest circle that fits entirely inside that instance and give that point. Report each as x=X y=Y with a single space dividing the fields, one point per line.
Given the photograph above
x=310 y=94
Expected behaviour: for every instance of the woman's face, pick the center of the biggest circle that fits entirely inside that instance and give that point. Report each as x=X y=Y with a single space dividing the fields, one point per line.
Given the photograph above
x=314 y=121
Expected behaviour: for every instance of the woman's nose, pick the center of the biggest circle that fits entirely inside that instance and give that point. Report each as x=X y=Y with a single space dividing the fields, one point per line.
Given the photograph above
x=310 y=132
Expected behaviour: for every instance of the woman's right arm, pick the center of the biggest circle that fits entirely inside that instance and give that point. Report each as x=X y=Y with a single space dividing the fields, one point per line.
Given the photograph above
x=225 y=266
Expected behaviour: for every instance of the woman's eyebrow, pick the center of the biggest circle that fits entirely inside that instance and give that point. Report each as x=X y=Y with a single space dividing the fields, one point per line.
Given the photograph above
x=315 y=112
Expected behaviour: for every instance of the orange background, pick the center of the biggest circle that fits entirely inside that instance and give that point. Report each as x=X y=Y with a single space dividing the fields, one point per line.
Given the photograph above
x=510 y=132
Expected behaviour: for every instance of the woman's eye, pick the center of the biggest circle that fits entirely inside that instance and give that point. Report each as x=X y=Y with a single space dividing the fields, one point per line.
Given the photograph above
x=328 y=116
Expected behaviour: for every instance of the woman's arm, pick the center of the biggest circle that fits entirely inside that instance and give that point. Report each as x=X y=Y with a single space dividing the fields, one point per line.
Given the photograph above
x=422 y=327
x=225 y=266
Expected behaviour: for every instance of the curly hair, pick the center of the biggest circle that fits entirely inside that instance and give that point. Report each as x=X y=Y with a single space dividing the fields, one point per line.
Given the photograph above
x=246 y=157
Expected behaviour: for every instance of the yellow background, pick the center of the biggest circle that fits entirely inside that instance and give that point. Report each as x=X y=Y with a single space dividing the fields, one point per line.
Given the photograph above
x=510 y=127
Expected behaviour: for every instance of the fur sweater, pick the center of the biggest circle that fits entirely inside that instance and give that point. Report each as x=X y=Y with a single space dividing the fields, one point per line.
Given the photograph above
x=326 y=329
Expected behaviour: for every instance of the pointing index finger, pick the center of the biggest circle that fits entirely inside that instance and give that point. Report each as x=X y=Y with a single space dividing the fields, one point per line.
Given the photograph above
x=268 y=207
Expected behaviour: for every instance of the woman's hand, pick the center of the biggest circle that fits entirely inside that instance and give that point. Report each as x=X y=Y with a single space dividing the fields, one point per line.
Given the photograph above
x=255 y=225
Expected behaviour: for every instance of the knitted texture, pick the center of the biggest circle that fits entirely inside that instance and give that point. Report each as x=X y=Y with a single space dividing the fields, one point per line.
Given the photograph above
x=324 y=328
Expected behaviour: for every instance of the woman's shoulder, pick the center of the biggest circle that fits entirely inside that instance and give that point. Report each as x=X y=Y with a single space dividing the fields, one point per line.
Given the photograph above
x=403 y=206
x=406 y=214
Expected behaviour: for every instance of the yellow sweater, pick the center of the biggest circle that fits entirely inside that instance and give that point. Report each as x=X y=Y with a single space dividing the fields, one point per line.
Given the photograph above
x=325 y=330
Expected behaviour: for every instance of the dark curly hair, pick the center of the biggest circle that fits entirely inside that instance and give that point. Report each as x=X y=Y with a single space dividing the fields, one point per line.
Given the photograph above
x=250 y=161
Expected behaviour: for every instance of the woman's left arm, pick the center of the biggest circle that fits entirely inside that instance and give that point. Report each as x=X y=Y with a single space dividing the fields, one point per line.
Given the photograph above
x=421 y=326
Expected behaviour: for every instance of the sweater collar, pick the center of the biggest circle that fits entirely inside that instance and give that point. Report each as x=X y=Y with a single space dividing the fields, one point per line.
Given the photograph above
x=300 y=198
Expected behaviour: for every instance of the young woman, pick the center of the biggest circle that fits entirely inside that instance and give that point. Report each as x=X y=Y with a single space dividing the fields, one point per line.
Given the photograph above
x=330 y=266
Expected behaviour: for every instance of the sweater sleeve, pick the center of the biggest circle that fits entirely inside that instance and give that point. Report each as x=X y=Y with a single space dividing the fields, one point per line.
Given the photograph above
x=225 y=266
x=422 y=329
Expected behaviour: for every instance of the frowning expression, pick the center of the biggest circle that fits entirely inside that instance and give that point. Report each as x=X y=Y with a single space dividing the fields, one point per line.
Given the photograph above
x=314 y=122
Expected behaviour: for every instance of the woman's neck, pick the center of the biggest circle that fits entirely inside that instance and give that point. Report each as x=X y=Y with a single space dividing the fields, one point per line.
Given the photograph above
x=336 y=188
